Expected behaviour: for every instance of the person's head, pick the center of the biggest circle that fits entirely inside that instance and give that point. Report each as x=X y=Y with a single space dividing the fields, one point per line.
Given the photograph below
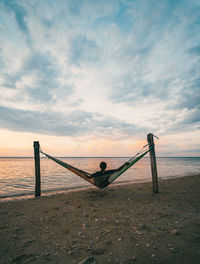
x=103 y=166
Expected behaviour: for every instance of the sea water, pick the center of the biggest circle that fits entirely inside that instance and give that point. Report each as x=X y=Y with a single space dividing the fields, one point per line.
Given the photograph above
x=17 y=175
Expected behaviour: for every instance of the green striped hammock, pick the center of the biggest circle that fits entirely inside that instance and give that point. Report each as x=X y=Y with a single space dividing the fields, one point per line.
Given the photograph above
x=88 y=176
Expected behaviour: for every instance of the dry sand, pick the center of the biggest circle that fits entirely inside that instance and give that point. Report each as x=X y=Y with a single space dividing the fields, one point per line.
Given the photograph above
x=121 y=224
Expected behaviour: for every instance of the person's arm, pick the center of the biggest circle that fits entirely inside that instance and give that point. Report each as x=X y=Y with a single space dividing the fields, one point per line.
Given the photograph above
x=90 y=176
x=118 y=169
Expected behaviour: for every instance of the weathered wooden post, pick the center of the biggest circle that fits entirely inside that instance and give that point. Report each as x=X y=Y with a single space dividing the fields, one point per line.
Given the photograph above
x=153 y=163
x=36 y=146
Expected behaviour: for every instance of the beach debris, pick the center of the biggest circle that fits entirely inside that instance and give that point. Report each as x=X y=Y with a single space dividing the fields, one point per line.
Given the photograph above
x=86 y=225
x=153 y=255
x=138 y=232
x=143 y=227
x=77 y=246
x=88 y=260
x=17 y=229
x=174 y=232
x=5 y=213
x=98 y=251
x=172 y=250
x=97 y=238
x=25 y=258
x=133 y=258
x=70 y=252
x=89 y=248
x=28 y=243
x=147 y=245
x=119 y=239
x=134 y=228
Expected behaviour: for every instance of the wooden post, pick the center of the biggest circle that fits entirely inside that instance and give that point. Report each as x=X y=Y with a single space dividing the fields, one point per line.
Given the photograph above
x=153 y=163
x=36 y=146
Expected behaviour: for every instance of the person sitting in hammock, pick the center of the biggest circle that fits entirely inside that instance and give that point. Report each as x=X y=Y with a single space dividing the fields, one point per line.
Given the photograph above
x=101 y=177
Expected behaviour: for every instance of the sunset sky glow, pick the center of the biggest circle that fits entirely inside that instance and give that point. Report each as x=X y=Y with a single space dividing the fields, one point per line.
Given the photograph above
x=93 y=78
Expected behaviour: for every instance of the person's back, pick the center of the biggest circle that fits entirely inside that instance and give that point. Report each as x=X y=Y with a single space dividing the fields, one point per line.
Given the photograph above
x=101 y=177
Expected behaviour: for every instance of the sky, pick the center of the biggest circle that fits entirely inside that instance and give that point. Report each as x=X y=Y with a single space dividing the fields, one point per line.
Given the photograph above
x=93 y=78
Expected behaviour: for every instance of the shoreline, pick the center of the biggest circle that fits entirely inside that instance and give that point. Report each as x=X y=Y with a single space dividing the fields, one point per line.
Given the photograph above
x=120 y=224
x=28 y=196
x=31 y=195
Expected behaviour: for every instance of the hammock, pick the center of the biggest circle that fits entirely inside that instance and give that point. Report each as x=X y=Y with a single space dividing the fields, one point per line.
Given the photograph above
x=105 y=179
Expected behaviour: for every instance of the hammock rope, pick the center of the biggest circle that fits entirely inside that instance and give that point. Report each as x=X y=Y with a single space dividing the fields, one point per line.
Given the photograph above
x=109 y=177
x=83 y=174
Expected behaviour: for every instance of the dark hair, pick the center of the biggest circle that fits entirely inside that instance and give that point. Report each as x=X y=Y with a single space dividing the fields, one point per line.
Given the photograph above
x=103 y=165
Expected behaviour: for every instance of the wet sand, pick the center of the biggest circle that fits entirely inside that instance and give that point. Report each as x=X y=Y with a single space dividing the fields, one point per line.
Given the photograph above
x=120 y=224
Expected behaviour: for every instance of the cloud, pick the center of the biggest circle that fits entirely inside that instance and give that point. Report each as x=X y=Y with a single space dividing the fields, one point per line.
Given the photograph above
x=47 y=72
x=40 y=79
x=195 y=50
x=155 y=63
x=76 y=123
x=19 y=12
x=83 y=50
x=131 y=89
x=76 y=102
x=190 y=97
x=60 y=61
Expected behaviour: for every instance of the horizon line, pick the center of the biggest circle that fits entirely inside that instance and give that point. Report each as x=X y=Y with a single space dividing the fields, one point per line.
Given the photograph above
x=30 y=157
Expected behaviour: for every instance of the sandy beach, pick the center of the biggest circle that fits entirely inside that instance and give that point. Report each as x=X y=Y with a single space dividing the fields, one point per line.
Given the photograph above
x=120 y=224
